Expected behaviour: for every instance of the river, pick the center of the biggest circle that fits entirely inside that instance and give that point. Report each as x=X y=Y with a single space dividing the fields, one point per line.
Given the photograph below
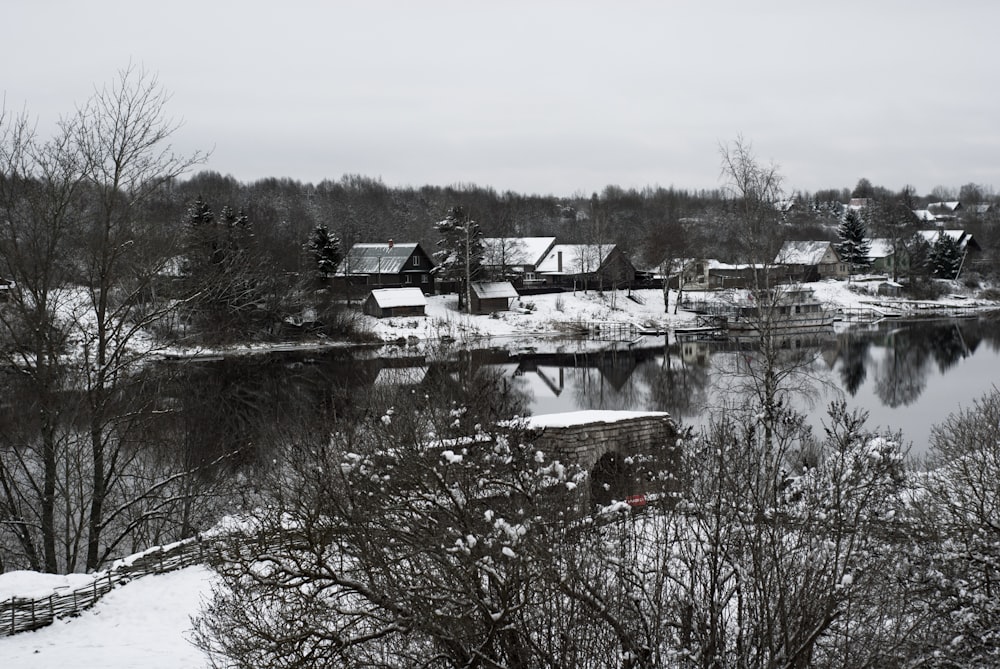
x=908 y=376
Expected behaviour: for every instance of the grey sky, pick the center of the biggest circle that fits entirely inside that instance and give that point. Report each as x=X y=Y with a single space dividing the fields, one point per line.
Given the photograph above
x=544 y=96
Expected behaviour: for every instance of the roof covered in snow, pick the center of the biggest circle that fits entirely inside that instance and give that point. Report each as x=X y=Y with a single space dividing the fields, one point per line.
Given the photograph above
x=387 y=298
x=880 y=248
x=486 y=290
x=516 y=250
x=576 y=258
x=387 y=258
x=959 y=236
x=586 y=417
x=804 y=253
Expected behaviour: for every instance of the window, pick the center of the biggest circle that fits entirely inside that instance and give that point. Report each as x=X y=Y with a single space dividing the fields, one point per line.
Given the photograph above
x=409 y=278
x=423 y=278
x=416 y=261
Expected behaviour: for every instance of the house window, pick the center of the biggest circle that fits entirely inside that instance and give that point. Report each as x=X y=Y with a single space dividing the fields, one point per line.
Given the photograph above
x=423 y=278
x=409 y=279
x=416 y=261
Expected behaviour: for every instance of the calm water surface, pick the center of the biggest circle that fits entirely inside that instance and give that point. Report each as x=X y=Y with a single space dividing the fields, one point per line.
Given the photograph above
x=908 y=376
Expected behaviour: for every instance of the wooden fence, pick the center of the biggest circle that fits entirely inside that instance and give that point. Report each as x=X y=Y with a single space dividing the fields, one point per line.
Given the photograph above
x=24 y=614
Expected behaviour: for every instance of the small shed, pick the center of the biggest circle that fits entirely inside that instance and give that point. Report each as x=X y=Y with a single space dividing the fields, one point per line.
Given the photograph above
x=491 y=296
x=389 y=302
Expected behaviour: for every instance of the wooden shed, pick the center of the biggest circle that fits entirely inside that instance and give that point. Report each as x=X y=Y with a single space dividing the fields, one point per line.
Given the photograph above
x=389 y=302
x=491 y=296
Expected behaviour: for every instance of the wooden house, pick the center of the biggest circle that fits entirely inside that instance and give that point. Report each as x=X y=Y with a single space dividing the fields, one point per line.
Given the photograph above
x=515 y=259
x=885 y=259
x=971 y=250
x=491 y=296
x=601 y=266
x=389 y=302
x=388 y=265
x=726 y=275
x=811 y=261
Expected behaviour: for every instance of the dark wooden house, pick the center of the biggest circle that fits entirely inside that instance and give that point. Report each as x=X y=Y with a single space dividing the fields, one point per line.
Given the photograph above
x=388 y=265
x=491 y=296
x=587 y=266
x=389 y=302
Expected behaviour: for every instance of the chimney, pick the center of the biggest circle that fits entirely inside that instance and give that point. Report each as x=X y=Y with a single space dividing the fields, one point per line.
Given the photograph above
x=390 y=243
x=559 y=261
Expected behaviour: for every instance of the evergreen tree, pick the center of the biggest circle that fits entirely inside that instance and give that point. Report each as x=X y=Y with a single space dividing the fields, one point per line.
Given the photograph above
x=461 y=252
x=945 y=257
x=226 y=278
x=324 y=249
x=854 y=245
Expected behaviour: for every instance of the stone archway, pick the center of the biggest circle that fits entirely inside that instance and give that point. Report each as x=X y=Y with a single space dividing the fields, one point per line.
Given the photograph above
x=604 y=444
x=611 y=478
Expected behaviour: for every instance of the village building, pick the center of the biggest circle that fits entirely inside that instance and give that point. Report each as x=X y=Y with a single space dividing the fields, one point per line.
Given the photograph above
x=805 y=261
x=944 y=212
x=492 y=296
x=971 y=250
x=515 y=259
x=586 y=266
x=390 y=302
x=883 y=258
x=387 y=265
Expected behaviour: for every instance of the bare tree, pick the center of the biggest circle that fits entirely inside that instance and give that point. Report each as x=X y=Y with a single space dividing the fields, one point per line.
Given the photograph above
x=84 y=255
x=40 y=192
x=752 y=189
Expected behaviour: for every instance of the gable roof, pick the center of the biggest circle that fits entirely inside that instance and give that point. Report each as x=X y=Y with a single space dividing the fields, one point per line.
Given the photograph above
x=486 y=290
x=961 y=238
x=803 y=252
x=381 y=258
x=519 y=250
x=576 y=258
x=880 y=248
x=945 y=206
x=387 y=298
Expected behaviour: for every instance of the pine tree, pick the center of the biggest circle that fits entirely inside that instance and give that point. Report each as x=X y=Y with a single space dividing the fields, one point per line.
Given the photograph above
x=854 y=245
x=461 y=251
x=324 y=248
x=945 y=257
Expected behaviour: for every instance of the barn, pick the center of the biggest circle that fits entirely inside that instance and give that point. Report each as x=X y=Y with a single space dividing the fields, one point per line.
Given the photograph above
x=389 y=302
x=492 y=296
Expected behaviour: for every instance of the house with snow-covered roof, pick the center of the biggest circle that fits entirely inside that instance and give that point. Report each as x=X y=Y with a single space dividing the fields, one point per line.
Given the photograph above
x=492 y=296
x=515 y=258
x=970 y=248
x=945 y=211
x=388 y=265
x=389 y=302
x=811 y=261
x=886 y=257
x=586 y=266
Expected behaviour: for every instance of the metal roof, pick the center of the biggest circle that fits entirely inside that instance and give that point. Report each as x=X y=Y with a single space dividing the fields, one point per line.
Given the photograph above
x=377 y=258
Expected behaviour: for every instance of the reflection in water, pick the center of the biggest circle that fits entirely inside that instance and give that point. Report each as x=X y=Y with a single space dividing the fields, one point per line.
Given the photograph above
x=908 y=376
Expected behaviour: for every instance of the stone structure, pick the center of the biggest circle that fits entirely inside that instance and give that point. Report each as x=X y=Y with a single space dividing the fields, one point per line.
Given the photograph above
x=626 y=453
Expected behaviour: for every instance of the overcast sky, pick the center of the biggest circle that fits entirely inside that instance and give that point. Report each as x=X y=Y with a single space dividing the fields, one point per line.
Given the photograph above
x=548 y=97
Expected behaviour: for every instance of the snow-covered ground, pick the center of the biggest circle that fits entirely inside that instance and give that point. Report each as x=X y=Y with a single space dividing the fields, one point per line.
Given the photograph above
x=145 y=623
x=540 y=316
